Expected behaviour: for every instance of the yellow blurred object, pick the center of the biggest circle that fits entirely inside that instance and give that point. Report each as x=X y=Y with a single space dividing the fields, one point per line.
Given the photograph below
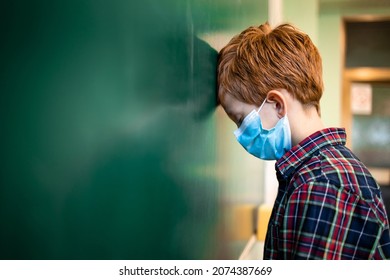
x=242 y=221
x=263 y=216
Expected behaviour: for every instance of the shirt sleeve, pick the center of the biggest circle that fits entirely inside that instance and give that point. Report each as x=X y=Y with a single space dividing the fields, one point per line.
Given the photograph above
x=322 y=221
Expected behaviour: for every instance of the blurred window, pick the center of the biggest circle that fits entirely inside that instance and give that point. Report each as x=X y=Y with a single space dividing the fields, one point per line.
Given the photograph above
x=367 y=43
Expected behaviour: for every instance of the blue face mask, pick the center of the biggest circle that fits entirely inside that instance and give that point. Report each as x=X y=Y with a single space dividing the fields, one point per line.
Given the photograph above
x=266 y=144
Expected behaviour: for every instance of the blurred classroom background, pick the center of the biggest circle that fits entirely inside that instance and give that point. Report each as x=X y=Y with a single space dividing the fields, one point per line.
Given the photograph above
x=113 y=145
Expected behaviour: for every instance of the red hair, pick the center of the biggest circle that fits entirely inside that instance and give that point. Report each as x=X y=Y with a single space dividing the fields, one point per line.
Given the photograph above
x=261 y=59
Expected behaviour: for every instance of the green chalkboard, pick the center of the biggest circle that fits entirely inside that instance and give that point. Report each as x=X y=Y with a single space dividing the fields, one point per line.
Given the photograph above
x=107 y=129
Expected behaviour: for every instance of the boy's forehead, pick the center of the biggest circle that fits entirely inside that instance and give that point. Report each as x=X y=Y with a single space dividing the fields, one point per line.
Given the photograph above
x=229 y=100
x=234 y=107
x=229 y=103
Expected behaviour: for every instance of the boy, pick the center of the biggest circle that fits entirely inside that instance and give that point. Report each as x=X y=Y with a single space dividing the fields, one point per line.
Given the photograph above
x=328 y=205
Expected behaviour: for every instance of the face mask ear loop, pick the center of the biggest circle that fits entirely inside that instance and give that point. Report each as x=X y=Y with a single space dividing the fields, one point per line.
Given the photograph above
x=261 y=106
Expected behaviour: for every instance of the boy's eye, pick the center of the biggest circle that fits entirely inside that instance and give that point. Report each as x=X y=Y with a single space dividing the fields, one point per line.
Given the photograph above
x=239 y=122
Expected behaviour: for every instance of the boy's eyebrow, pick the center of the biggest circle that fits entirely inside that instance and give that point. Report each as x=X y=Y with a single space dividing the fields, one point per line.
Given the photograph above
x=231 y=114
x=228 y=112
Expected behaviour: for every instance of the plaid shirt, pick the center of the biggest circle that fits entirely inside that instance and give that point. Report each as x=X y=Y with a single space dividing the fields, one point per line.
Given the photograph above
x=328 y=205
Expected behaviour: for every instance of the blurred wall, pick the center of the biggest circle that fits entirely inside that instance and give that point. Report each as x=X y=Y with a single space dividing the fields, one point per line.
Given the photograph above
x=108 y=129
x=322 y=21
x=331 y=13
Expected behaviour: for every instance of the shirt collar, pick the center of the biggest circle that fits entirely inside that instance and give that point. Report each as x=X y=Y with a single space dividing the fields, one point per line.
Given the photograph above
x=297 y=155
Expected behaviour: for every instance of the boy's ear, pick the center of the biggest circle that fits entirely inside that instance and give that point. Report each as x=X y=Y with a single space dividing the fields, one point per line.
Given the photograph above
x=278 y=101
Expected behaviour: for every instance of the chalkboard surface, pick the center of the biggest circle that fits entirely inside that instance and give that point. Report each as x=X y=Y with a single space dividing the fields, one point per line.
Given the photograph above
x=107 y=129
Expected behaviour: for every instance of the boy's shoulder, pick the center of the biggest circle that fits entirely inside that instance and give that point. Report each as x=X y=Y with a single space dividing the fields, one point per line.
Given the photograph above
x=339 y=166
